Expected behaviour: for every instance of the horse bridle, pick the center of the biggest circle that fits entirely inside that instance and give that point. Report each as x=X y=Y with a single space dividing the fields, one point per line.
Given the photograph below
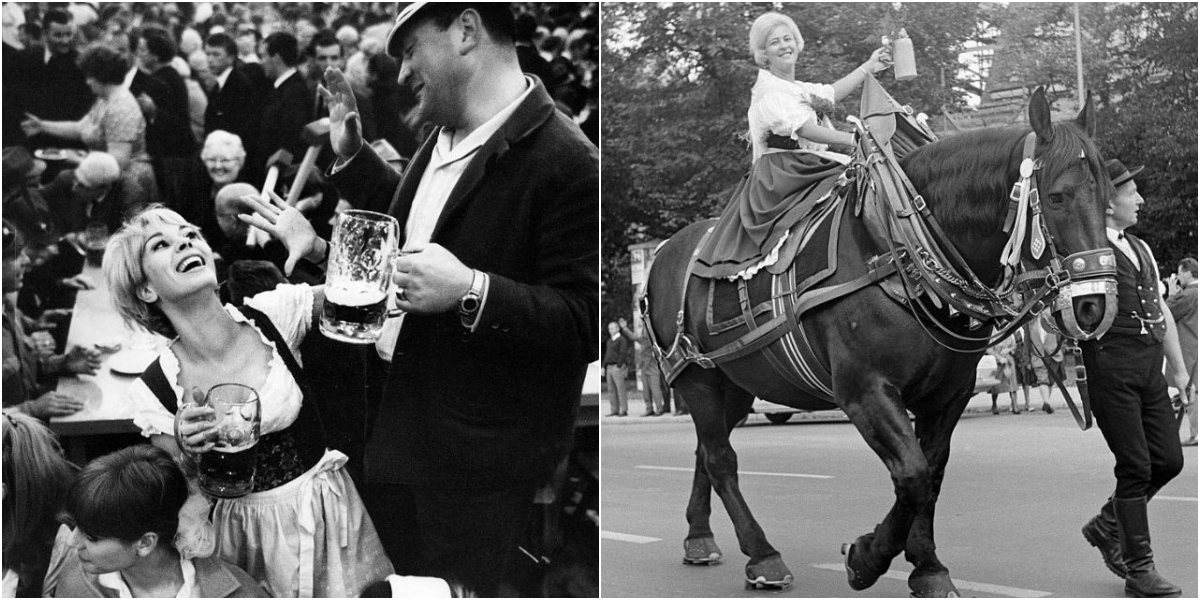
x=1080 y=274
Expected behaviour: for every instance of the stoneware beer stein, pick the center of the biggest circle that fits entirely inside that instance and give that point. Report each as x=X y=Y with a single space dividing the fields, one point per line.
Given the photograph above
x=227 y=470
x=359 y=273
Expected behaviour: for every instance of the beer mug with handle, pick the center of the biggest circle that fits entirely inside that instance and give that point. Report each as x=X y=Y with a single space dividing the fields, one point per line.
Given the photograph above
x=358 y=276
x=227 y=470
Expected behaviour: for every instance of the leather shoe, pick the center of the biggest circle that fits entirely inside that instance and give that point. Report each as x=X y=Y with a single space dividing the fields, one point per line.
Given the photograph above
x=1103 y=534
x=647 y=414
x=1049 y=409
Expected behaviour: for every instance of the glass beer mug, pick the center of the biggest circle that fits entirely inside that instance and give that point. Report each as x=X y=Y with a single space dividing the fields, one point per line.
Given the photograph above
x=228 y=469
x=358 y=276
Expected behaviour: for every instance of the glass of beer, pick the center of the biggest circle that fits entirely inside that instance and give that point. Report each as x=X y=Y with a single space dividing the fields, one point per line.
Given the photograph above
x=228 y=469
x=95 y=237
x=358 y=276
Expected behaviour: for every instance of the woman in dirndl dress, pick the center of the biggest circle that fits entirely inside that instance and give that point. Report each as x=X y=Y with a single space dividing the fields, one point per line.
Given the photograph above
x=793 y=168
x=304 y=531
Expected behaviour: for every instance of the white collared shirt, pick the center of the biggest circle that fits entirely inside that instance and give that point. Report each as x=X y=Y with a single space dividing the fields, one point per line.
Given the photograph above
x=129 y=77
x=224 y=76
x=282 y=78
x=115 y=582
x=1122 y=243
x=446 y=167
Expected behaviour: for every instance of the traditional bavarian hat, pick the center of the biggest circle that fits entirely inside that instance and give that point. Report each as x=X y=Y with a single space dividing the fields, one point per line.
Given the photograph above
x=1118 y=173
x=394 y=38
x=408 y=13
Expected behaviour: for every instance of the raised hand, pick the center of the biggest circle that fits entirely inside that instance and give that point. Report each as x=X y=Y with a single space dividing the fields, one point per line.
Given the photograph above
x=345 y=130
x=880 y=60
x=285 y=224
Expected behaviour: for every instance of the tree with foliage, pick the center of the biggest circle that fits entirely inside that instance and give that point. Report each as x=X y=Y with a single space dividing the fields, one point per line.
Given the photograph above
x=1140 y=63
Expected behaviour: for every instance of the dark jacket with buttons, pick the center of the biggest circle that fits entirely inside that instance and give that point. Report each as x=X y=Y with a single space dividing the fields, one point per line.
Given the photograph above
x=1137 y=296
x=495 y=407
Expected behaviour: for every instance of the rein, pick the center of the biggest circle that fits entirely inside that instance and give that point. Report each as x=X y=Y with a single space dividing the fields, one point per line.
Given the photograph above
x=916 y=241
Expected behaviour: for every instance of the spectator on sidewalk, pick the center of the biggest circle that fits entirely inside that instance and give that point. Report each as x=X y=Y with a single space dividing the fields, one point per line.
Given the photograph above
x=648 y=372
x=618 y=355
x=1182 y=304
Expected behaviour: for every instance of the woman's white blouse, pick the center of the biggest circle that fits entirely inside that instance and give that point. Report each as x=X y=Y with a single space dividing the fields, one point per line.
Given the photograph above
x=290 y=308
x=782 y=107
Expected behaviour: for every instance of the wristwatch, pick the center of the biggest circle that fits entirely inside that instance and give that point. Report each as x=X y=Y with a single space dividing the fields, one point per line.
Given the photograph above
x=468 y=305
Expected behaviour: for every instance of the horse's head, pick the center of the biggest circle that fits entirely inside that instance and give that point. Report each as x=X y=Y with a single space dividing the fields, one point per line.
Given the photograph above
x=1073 y=190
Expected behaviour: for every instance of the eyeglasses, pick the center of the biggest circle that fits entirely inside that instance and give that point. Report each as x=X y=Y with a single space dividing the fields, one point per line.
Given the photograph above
x=220 y=161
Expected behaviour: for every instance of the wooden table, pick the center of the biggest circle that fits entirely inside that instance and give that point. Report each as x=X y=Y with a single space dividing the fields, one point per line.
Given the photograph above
x=106 y=408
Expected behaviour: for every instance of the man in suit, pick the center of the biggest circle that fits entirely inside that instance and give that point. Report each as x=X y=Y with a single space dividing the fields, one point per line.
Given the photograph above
x=1130 y=400
x=499 y=214
x=288 y=106
x=1182 y=304
x=234 y=104
x=54 y=85
x=169 y=133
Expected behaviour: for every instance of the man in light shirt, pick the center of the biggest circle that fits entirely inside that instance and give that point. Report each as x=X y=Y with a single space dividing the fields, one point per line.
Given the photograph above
x=499 y=213
x=1130 y=400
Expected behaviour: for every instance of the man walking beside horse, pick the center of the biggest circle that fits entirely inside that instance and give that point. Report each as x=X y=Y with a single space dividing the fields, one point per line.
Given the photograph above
x=1130 y=400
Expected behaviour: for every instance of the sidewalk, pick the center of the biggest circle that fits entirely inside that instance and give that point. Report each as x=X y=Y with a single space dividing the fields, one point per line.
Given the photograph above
x=979 y=404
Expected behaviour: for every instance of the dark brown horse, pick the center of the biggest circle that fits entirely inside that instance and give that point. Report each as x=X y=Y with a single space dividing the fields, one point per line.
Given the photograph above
x=885 y=357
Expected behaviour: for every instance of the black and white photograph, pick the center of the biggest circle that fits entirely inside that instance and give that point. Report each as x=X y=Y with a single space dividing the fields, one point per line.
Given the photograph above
x=301 y=299
x=868 y=266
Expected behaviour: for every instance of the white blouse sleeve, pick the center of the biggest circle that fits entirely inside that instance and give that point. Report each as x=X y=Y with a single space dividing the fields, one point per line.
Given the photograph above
x=782 y=114
x=290 y=308
x=148 y=413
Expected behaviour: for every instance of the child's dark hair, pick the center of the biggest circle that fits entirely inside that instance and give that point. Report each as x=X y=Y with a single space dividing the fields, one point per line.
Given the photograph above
x=128 y=493
x=248 y=278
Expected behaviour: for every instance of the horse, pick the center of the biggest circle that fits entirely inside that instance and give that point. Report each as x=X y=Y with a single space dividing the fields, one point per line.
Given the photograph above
x=968 y=183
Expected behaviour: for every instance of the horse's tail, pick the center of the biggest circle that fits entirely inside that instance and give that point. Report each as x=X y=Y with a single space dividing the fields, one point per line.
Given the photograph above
x=663 y=302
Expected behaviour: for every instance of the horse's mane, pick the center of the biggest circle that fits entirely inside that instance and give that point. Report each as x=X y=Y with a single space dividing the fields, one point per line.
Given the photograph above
x=966 y=178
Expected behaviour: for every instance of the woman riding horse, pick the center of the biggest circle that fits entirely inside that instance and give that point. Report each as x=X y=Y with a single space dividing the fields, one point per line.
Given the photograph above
x=790 y=133
x=1016 y=208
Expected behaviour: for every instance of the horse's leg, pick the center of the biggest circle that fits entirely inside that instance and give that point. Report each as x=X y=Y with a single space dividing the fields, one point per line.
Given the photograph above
x=714 y=404
x=700 y=546
x=879 y=415
x=930 y=578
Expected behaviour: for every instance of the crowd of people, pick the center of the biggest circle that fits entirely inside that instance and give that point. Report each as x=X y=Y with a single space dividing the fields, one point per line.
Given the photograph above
x=146 y=132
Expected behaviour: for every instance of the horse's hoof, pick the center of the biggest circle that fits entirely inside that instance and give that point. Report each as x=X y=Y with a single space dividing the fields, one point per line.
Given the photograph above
x=933 y=586
x=769 y=573
x=761 y=582
x=935 y=594
x=701 y=551
x=857 y=574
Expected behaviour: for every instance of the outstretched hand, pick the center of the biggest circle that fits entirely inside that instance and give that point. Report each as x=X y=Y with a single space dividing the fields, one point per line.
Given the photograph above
x=285 y=224
x=345 y=131
x=880 y=60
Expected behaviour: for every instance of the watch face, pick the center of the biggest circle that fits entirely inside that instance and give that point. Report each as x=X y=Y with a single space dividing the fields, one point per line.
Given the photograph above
x=469 y=304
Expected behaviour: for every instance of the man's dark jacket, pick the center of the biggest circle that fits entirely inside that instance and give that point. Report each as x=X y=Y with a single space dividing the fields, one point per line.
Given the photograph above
x=236 y=108
x=287 y=110
x=495 y=407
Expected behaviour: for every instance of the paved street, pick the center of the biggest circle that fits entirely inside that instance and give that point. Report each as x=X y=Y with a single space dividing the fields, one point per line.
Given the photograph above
x=1018 y=488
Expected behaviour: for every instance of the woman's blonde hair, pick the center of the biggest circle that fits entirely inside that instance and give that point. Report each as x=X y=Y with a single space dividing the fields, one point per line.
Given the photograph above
x=761 y=29
x=36 y=479
x=124 y=272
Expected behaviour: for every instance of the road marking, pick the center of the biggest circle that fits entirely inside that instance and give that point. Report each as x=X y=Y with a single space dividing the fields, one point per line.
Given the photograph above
x=1175 y=498
x=627 y=537
x=974 y=586
x=689 y=470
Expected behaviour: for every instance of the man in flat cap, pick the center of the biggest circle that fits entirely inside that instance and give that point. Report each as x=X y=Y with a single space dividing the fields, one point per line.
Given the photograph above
x=499 y=213
x=1130 y=399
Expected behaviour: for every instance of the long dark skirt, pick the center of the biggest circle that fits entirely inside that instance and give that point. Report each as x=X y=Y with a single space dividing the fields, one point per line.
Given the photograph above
x=780 y=190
